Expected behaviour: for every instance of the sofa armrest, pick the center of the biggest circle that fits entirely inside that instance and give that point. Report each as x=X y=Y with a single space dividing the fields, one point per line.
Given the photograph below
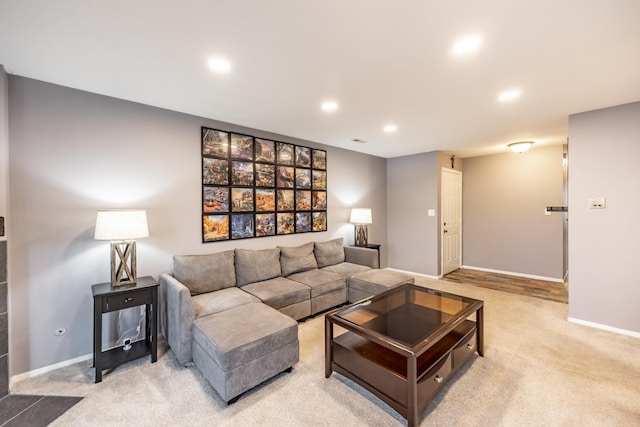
x=177 y=316
x=363 y=256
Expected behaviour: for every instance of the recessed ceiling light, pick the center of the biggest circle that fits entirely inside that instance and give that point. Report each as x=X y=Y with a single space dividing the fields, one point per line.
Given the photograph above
x=219 y=65
x=390 y=128
x=467 y=44
x=329 y=106
x=509 y=95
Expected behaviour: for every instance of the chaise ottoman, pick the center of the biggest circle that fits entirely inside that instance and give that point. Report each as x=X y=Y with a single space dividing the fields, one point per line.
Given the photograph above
x=372 y=282
x=242 y=347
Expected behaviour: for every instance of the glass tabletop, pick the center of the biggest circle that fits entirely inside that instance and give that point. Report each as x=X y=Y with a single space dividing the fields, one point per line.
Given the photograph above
x=408 y=314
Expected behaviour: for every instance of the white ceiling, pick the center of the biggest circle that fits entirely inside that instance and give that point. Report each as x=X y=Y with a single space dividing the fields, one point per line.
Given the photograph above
x=382 y=61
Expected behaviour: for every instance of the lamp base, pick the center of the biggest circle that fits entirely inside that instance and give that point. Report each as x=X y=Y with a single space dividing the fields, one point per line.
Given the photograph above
x=123 y=263
x=361 y=235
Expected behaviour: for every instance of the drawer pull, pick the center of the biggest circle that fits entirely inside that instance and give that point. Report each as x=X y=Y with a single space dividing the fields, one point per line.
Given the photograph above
x=469 y=346
x=128 y=300
x=438 y=379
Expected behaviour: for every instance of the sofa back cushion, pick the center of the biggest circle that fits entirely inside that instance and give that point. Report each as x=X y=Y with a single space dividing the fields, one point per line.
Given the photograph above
x=257 y=265
x=329 y=253
x=205 y=273
x=298 y=259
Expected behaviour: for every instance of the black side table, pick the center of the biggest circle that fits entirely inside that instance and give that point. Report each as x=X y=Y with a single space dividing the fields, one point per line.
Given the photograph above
x=372 y=246
x=108 y=298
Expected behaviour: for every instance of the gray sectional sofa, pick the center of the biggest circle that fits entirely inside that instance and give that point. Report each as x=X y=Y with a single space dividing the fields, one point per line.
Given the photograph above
x=234 y=313
x=298 y=282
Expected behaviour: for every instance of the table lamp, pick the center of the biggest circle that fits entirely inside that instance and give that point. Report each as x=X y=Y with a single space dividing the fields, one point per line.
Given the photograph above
x=122 y=227
x=361 y=217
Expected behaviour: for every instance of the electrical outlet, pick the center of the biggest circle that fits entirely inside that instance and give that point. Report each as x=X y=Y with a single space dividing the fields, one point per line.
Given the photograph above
x=598 y=202
x=60 y=332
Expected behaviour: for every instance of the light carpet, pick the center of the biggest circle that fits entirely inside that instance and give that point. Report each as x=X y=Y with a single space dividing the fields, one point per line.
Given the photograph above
x=538 y=370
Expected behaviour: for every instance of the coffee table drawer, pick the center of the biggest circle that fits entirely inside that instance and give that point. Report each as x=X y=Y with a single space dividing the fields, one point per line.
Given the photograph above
x=463 y=351
x=432 y=380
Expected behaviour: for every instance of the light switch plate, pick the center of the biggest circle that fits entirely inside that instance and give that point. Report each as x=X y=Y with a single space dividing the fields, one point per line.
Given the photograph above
x=431 y=212
x=597 y=202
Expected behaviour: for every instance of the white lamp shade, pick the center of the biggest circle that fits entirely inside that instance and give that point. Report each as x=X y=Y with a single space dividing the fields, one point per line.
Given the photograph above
x=360 y=216
x=121 y=224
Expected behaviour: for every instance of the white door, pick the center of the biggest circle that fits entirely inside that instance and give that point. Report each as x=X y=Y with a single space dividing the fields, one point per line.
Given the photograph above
x=451 y=217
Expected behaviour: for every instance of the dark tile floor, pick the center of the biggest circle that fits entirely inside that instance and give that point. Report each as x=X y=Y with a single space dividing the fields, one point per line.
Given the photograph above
x=21 y=410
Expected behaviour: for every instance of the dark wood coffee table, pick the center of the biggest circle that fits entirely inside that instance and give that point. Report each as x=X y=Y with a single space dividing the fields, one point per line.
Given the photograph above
x=403 y=344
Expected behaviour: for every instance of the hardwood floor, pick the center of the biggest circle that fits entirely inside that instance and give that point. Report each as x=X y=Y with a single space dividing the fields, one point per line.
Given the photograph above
x=551 y=291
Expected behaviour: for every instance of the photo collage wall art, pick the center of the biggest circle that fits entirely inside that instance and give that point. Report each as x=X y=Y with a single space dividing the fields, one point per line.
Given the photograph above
x=254 y=187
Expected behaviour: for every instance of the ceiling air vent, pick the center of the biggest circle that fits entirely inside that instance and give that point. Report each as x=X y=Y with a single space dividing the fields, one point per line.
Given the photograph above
x=360 y=141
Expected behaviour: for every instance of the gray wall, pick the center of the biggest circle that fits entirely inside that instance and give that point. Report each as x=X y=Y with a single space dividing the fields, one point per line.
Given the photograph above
x=604 y=148
x=411 y=191
x=413 y=187
x=503 y=221
x=73 y=152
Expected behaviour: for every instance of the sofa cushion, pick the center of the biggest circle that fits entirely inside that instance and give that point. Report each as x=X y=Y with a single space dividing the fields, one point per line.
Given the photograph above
x=320 y=281
x=329 y=253
x=242 y=334
x=224 y=299
x=297 y=259
x=257 y=265
x=279 y=292
x=347 y=269
x=205 y=273
x=373 y=282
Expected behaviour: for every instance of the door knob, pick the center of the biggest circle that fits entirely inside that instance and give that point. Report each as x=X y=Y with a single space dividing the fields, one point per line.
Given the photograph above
x=445 y=231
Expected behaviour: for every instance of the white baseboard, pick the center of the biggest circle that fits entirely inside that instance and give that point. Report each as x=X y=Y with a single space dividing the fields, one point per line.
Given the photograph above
x=413 y=273
x=511 y=273
x=20 y=377
x=604 y=327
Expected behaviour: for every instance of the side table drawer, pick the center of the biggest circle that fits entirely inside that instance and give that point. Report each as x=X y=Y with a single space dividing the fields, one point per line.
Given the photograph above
x=130 y=299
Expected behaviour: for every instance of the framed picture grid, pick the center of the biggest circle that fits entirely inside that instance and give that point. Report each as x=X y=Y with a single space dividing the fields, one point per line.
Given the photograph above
x=255 y=187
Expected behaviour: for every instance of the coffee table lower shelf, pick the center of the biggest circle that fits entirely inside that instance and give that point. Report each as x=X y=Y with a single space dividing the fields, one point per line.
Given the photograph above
x=384 y=372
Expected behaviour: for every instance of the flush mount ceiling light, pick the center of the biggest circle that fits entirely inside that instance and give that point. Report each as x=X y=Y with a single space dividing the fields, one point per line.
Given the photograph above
x=329 y=106
x=467 y=45
x=509 y=95
x=520 y=147
x=390 y=128
x=219 y=65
